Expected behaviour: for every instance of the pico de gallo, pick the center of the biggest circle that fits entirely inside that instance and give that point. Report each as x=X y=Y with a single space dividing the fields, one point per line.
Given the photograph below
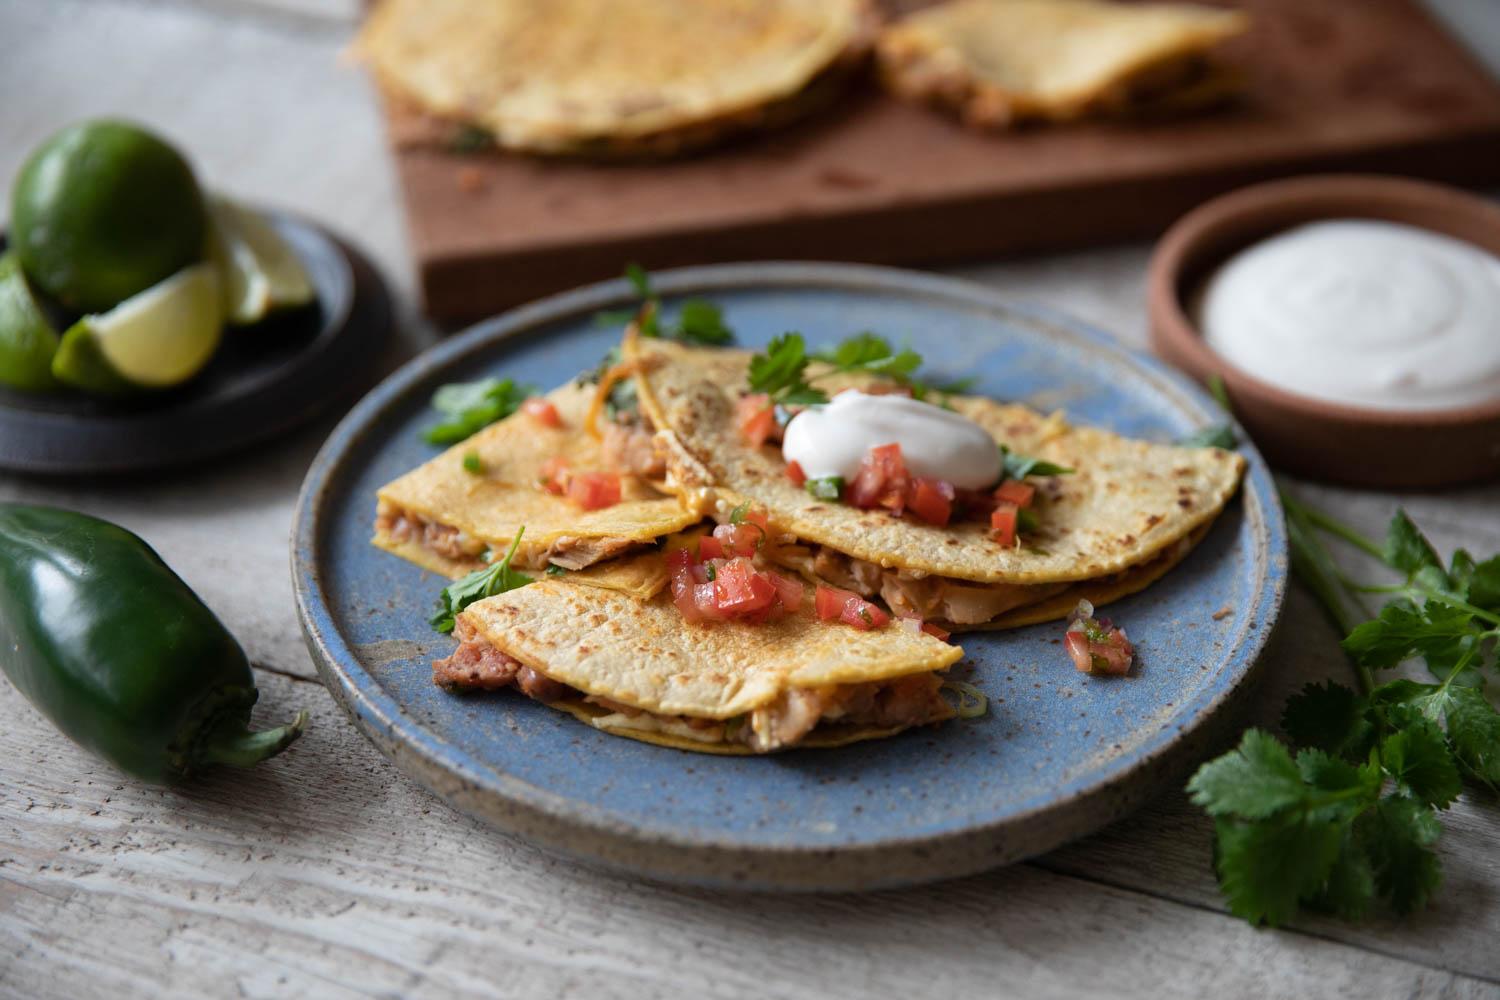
x=590 y=490
x=1097 y=645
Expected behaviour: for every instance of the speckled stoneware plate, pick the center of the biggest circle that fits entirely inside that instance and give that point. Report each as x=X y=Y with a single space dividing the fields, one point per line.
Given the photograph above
x=1059 y=754
x=263 y=381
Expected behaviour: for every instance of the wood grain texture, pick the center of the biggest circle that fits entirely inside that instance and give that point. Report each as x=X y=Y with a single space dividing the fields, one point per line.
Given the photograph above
x=326 y=874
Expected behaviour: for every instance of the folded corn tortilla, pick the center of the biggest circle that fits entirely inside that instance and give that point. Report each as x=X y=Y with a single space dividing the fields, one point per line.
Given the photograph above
x=631 y=665
x=1126 y=514
x=444 y=518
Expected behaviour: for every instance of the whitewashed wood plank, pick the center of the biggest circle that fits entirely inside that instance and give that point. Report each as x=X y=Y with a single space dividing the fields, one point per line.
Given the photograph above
x=324 y=873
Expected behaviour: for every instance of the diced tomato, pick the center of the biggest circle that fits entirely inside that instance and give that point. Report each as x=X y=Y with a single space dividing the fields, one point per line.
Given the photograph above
x=710 y=547
x=554 y=475
x=1111 y=656
x=594 y=490
x=848 y=607
x=542 y=411
x=829 y=602
x=795 y=474
x=757 y=418
x=789 y=591
x=757 y=516
x=935 y=632
x=863 y=615
x=740 y=590
x=931 y=500
x=914 y=623
x=881 y=481
x=1003 y=523
x=740 y=539
x=1016 y=492
x=706 y=602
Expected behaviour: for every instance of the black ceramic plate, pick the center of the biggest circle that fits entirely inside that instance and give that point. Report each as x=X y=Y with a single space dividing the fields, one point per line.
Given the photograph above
x=265 y=380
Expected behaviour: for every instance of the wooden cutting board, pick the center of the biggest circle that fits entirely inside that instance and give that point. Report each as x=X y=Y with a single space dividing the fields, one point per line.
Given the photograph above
x=1335 y=85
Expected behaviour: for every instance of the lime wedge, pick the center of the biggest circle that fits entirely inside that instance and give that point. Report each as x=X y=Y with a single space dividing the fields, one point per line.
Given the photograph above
x=158 y=338
x=27 y=340
x=258 y=271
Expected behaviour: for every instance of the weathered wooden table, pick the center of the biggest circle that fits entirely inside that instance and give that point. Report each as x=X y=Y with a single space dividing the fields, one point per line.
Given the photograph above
x=326 y=873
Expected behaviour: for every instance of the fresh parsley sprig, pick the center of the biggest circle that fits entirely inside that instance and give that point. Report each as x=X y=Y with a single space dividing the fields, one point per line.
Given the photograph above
x=1352 y=816
x=472 y=406
x=698 y=321
x=493 y=579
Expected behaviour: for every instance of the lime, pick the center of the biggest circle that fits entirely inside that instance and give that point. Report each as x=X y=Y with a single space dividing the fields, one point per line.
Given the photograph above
x=258 y=271
x=159 y=338
x=27 y=340
x=104 y=210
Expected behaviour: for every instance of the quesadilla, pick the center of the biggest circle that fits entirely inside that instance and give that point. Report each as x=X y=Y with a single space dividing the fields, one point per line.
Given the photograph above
x=621 y=657
x=616 y=77
x=470 y=502
x=1126 y=512
x=1002 y=62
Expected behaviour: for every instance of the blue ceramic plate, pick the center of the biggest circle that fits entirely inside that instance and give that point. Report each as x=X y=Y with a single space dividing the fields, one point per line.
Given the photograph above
x=1059 y=754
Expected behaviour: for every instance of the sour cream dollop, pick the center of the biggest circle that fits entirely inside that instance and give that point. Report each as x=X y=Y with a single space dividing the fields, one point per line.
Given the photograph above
x=831 y=440
x=1374 y=314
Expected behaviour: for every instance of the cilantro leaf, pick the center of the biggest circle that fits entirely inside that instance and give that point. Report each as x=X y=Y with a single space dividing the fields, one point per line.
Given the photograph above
x=473 y=464
x=1434 y=631
x=1255 y=780
x=701 y=322
x=639 y=280
x=698 y=321
x=1266 y=869
x=871 y=353
x=1483 y=587
x=1329 y=717
x=1349 y=889
x=1417 y=757
x=1213 y=436
x=780 y=372
x=1474 y=731
x=1406 y=548
x=494 y=579
x=472 y=406
x=1400 y=833
x=1013 y=466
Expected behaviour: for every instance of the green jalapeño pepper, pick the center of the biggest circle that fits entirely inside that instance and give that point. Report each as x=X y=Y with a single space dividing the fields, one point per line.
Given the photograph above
x=119 y=653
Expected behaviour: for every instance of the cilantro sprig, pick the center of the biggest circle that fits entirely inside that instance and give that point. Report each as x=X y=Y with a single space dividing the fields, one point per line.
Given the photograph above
x=698 y=321
x=781 y=370
x=1352 y=816
x=493 y=579
x=471 y=406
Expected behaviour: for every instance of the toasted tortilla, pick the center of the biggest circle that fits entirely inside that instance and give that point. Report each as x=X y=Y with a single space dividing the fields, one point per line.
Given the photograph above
x=586 y=631
x=490 y=507
x=614 y=76
x=999 y=62
x=1126 y=501
x=643 y=654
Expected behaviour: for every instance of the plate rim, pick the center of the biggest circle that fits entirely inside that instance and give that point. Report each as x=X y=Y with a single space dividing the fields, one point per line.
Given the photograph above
x=580 y=829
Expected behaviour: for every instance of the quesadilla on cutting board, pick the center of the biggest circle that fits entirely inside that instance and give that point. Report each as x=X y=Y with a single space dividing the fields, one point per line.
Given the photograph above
x=616 y=77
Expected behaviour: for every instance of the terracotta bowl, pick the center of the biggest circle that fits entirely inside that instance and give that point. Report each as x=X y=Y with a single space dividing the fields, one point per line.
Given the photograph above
x=1308 y=437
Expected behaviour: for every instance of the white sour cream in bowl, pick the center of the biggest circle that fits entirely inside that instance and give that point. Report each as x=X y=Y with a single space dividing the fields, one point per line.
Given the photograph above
x=1373 y=314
